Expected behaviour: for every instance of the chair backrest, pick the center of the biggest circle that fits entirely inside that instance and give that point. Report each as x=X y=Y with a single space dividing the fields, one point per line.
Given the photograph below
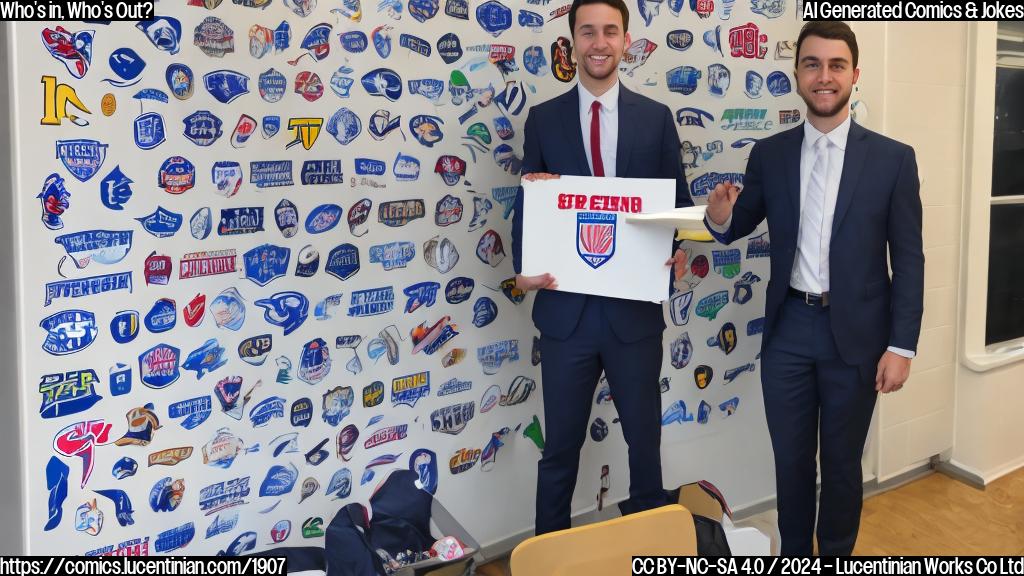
x=606 y=548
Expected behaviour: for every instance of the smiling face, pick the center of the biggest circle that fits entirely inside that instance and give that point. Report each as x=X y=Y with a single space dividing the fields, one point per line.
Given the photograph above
x=599 y=41
x=825 y=76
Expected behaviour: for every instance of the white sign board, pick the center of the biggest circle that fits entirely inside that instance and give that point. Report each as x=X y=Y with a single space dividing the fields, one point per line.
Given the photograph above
x=575 y=228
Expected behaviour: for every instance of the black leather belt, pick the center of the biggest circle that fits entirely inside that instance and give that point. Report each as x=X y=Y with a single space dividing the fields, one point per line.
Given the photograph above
x=810 y=299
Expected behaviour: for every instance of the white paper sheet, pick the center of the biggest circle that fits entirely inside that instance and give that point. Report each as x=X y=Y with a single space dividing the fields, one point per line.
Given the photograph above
x=575 y=228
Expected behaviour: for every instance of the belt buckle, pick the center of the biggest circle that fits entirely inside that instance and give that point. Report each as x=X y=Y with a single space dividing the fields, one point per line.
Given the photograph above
x=807 y=299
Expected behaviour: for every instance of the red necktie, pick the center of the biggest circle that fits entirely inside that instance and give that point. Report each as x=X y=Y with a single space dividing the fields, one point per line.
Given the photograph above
x=595 y=138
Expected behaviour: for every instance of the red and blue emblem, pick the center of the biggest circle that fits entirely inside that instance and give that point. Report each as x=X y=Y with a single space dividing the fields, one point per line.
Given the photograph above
x=595 y=237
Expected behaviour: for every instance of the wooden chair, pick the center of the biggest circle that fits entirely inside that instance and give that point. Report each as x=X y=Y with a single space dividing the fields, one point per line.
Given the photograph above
x=606 y=548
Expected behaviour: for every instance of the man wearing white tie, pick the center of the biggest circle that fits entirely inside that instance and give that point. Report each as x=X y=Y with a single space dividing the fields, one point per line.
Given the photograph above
x=838 y=328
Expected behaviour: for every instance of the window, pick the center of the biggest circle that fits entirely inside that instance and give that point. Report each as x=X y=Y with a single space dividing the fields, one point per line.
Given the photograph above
x=991 y=309
x=1005 y=306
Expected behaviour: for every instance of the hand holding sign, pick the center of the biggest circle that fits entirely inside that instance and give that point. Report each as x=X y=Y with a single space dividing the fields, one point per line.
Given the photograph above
x=540 y=281
x=576 y=229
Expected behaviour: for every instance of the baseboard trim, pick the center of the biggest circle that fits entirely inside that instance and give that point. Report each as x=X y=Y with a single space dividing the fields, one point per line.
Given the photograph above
x=962 y=473
x=874 y=487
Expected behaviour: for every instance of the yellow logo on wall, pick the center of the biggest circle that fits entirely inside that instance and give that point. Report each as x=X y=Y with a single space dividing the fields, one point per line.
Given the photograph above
x=305 y=130
x=56 y=98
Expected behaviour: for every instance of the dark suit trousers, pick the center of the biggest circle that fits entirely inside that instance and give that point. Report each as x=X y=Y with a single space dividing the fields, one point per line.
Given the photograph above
x=570 y=369
x=806 y=384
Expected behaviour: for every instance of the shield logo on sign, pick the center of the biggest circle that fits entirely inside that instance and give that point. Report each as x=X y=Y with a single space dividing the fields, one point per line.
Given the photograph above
x=595 y=237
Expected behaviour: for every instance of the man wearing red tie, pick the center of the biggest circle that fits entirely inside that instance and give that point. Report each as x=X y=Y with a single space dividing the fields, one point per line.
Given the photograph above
x=599 y=128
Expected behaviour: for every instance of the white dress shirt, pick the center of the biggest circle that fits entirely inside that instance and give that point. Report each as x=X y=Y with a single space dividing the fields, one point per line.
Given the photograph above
x=609 y=126
x=806 y=276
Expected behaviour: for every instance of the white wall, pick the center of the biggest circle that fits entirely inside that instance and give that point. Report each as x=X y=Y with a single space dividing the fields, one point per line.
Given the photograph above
x=946 y=408
x=732 y=451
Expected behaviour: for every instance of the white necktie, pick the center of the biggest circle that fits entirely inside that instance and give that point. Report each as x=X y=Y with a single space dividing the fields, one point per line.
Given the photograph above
x=813 y=213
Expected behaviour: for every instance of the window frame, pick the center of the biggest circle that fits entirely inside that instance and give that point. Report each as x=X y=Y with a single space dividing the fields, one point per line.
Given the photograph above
x=977 y=205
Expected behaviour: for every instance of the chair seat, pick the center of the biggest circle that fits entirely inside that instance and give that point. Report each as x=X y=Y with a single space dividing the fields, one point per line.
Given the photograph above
x=607 y=548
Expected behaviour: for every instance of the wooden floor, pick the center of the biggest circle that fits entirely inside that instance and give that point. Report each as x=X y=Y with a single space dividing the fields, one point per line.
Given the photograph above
x=941 y=516
x=933 y=516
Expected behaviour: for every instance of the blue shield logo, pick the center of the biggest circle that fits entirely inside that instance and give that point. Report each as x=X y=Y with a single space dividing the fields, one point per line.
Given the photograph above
x=158 y=366
x=344 y=125
x=149 y=131
x=494 y=17
x=271 y=126
x=343 y=261
x=273 y=85
x=124 y=327
x=81 y=157
x=180 y=81
x=595 y=237
x=778 y=84
x=202 y=128
x=162 y=317
x=266 y=262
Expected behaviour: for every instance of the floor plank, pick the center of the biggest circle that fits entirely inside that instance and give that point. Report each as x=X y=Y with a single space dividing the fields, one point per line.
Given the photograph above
x=938 y=515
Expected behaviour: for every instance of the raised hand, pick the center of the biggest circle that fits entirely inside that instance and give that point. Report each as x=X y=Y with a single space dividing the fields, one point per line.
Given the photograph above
x=720 y=202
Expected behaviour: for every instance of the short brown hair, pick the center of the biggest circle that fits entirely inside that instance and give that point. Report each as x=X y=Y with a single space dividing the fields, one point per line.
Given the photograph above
x=829 y=30
x=619 y=5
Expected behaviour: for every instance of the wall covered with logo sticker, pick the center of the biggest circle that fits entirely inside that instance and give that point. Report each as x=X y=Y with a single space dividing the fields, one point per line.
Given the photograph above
x=265 y=260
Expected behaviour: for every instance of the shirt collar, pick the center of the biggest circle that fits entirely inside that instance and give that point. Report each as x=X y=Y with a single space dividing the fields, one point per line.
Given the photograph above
x=837 y=136
x=609 y=100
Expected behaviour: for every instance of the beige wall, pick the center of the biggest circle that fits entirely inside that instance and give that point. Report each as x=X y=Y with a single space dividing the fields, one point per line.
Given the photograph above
x=989 y=440
x=918 y=79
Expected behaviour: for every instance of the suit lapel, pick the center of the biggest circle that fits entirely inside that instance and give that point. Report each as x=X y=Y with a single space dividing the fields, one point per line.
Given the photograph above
x=791 y=158
x=626 y=131
x=573 y=131
x=853 y=165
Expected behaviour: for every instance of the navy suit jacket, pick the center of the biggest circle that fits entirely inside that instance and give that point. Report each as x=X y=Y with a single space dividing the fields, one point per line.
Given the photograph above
x=648 y=147
x=878 y=208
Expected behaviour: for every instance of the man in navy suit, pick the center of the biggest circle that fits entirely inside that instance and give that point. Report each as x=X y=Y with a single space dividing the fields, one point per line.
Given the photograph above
x=838 y=329
x=598 y=128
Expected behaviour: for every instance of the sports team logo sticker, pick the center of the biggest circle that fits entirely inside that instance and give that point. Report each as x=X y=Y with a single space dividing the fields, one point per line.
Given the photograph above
x=69 y=331
x=595 y=237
